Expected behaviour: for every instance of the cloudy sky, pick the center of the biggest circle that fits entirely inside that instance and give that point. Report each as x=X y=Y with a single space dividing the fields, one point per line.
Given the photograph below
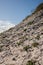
x=5 y=25
x=14 y=11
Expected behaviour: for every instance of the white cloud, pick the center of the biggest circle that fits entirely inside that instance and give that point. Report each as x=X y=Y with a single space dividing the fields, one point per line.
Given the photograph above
x=5 y=25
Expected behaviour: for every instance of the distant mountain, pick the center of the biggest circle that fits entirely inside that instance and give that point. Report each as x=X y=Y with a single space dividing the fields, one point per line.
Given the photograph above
x=23 y=44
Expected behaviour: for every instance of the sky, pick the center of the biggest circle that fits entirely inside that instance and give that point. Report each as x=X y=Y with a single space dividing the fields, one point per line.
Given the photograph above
x=13 y=12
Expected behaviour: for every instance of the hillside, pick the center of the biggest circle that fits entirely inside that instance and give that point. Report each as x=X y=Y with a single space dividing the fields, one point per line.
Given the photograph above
x=23 y=44
x=38 y=8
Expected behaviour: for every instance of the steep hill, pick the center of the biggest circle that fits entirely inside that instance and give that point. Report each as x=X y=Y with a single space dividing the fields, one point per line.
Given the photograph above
x=23 y=44
x=40 y=7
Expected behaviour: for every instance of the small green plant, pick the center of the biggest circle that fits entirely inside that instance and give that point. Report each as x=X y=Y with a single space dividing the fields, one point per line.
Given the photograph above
x=38 y=37
x=30 y=23
x=26 y=48
x=18 y=43
x=30 y=63
x=1 y=48
x=35 y=44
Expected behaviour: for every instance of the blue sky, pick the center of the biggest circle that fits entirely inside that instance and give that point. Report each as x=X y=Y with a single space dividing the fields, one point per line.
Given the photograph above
x=14 y=11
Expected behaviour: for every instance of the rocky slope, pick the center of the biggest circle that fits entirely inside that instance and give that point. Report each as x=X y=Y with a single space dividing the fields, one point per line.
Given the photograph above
x=23 y=44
